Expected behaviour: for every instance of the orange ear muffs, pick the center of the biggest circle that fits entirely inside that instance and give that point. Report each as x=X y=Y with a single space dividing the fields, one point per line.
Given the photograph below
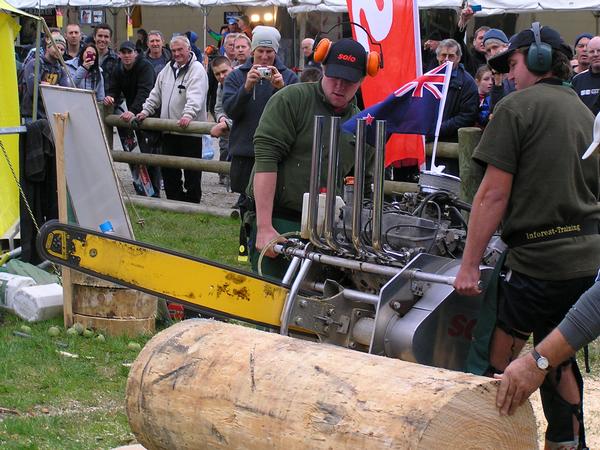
x=321 y=50
x=373 y=63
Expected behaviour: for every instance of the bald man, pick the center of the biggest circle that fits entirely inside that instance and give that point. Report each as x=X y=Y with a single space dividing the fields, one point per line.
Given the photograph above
x=587 y=84
x=307 y=45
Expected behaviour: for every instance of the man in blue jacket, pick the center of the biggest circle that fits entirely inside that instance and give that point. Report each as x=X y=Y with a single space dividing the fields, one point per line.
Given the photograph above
x=245 y=94
x=462 y=101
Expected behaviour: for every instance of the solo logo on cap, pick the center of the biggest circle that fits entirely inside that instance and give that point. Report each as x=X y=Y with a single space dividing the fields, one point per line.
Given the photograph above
x=345 y=57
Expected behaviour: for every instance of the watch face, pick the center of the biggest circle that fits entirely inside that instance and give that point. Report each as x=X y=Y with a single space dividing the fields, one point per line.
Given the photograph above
x=542 y=363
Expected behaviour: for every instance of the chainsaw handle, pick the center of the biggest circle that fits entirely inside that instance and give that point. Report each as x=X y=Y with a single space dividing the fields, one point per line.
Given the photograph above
x=435 y=278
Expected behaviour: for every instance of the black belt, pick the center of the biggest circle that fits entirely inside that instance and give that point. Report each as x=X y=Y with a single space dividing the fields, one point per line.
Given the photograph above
x=278 y=212
x=287 y=214
x=551 y=233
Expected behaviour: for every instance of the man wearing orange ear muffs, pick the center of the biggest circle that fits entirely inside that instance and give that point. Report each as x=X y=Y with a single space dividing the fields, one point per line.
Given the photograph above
x=283 y=145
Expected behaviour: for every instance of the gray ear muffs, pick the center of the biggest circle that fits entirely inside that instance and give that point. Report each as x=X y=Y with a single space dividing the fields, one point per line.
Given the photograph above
x=539 y=57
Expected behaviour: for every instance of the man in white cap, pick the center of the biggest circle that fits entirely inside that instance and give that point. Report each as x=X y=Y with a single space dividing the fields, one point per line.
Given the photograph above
x=245 y=94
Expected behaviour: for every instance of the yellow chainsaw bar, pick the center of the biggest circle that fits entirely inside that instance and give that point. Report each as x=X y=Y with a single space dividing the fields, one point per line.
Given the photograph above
x=199 y=284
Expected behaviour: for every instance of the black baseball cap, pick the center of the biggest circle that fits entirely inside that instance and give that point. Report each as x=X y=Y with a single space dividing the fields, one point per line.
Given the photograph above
x=127 y=45
x=347 y=59
x=524 y=39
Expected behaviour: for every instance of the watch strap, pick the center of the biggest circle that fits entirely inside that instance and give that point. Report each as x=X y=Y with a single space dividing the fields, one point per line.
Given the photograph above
x=536 y=355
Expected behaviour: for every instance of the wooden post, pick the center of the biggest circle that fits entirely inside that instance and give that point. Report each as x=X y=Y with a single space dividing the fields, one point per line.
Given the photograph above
x=61 y=187
x=106 y=110
x=471 y=173
x=208 y=384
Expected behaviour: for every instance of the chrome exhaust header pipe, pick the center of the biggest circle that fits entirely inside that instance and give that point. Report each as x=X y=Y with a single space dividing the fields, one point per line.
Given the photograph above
x=332 y=175
x=378 y=180
x=315 y=175
x=359 y=188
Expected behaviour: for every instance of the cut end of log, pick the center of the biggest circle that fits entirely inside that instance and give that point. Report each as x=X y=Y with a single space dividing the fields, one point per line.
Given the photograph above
x=470 y=420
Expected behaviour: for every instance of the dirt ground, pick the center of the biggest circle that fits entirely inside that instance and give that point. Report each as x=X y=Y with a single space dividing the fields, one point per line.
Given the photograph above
x=591 y=400
x=213 y=194
x=216 y=195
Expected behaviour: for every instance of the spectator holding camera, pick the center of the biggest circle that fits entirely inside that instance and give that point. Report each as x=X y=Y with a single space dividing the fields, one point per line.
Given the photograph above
x=86 y=71
x=245 y=94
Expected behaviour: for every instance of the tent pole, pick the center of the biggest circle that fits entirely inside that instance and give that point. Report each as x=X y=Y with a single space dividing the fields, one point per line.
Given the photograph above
x=205 y=14
x=36 y=66
x=302 y=35
x=294 y=41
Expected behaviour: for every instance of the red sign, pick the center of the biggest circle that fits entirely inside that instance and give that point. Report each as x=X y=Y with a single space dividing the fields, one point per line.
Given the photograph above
x=394 y=24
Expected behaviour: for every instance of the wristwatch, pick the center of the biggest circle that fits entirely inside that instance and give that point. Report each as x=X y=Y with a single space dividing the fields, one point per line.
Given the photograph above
x=541 y=361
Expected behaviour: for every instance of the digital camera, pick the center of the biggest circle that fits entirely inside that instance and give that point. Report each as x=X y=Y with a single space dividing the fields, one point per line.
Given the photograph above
x=265 y=72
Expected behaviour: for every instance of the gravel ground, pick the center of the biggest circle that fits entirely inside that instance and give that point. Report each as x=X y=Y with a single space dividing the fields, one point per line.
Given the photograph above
x=213 y=193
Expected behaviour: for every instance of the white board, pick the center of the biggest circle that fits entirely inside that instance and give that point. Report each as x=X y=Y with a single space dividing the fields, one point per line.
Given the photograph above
x=91 y=179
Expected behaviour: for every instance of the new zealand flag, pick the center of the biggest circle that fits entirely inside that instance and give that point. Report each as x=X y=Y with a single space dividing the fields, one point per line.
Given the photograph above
x=415 y=108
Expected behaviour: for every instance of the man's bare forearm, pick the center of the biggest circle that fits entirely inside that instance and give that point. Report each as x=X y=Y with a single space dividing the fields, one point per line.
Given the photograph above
x=264 y=194
x=489 y=206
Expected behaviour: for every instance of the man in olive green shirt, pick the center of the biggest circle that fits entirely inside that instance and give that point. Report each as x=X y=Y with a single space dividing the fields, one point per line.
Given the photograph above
x=547 y=200
x=283 y=146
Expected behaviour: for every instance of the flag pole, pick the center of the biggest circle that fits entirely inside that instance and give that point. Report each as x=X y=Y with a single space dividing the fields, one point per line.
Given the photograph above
x=434 y=168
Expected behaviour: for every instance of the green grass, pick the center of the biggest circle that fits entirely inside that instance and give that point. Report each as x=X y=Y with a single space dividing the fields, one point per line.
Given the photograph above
x=208 y=237
x=61 y=401
x=79 y=403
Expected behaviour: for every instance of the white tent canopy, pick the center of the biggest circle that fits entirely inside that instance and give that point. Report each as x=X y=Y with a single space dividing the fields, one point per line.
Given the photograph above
x=489 y=7
x=122 y=3
x=300 y=6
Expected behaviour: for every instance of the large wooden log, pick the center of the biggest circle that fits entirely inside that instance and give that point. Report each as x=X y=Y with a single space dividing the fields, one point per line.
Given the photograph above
x=207 y=384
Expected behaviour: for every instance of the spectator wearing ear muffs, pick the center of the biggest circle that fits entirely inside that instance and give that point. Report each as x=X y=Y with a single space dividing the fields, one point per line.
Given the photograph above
x=283 y=146
x=546 y=198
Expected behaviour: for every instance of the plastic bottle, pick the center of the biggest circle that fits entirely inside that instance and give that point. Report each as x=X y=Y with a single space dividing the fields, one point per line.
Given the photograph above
x=304 y=231
x=207 y=148
x=349 y=190
x=107 y=228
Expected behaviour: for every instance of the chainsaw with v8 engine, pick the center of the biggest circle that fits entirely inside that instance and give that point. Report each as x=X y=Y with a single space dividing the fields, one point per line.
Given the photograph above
x=366 y=274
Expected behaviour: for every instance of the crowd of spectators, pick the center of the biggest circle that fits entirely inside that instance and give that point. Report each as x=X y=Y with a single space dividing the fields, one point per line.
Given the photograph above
x=237 y=92
x=235 y=80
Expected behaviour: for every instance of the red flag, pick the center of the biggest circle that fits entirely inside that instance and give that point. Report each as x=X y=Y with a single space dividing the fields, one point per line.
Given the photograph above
x=395 y=24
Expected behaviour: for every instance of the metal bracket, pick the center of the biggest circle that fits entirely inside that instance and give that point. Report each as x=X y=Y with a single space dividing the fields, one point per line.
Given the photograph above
x=331 y=317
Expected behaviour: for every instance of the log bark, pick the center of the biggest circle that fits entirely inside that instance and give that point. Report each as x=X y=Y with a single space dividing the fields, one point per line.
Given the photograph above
x=207 y=384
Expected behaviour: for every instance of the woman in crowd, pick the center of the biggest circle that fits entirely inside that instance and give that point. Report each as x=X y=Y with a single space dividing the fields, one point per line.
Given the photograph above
x=141 y=45
x=485 y=82
x=86 y=72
